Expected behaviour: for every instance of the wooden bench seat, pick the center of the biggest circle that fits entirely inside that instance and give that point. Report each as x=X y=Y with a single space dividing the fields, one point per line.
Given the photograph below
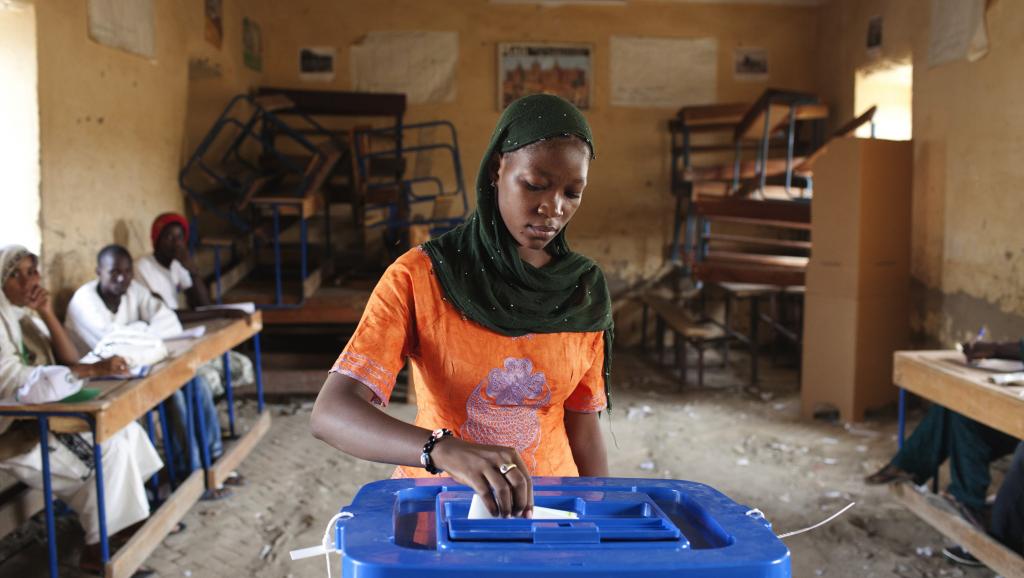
x=18 y=503
x=732 y=272
x=697 y=333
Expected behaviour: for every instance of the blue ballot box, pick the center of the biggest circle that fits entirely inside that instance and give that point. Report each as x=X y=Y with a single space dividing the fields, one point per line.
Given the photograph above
x=624 y=528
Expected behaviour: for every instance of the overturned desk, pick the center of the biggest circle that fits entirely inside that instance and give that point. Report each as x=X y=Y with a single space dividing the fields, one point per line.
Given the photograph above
x=119 y=403
x=943 y=378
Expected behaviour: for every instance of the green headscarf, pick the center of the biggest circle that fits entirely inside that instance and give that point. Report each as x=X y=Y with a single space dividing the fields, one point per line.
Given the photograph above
x=479 y=267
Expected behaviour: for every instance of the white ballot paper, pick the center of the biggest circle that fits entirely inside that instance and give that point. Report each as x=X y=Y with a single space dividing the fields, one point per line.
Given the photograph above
x=478 y=511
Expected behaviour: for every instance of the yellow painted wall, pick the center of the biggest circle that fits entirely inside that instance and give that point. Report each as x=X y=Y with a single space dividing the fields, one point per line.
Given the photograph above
x=625 y=222
x=19 y=128
x=114 y=128
x=967 y=242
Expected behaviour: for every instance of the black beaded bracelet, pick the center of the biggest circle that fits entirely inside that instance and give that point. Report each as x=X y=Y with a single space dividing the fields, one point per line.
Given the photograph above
x=425 y=459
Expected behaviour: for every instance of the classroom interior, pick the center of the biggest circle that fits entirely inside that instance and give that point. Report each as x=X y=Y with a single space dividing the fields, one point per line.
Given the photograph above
x=801 y=208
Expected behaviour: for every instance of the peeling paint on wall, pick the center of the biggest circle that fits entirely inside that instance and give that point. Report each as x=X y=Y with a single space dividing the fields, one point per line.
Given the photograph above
x=967 y=242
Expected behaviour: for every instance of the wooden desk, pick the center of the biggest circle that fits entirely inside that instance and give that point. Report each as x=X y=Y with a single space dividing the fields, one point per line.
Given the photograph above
x=942 y=377
x=123 y=401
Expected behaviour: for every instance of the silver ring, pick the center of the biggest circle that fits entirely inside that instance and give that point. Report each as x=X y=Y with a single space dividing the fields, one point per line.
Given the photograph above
x=506 y=468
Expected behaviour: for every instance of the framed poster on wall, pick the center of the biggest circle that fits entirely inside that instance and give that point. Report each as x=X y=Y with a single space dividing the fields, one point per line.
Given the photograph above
x=252 y=44
x=529 y=68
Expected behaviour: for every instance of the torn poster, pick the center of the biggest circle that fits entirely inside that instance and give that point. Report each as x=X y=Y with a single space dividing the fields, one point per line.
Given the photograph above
x=419 y=64
x=663 y=72
x=957 y=31
x=123 y=24
x=214 y=10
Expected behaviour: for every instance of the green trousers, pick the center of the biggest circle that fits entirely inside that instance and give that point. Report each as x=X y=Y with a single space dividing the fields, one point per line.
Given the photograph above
x=970 y=447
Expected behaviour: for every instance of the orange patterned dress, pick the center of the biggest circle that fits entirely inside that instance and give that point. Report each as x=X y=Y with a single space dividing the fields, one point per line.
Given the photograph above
x=485 y=387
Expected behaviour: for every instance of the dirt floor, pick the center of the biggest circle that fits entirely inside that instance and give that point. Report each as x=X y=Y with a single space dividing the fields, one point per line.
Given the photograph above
x=755 y=449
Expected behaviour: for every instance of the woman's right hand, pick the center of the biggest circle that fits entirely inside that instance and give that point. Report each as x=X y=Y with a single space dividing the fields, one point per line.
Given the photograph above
x=476 y=465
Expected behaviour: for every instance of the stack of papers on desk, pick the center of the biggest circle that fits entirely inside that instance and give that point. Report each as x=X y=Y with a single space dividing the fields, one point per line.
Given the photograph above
x=190 y=333
x=249 y=307
x=1015 y=378
x=998 y=365
x=134 y=373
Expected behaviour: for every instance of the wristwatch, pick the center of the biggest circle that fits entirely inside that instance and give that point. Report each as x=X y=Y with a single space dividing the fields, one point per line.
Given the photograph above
x=435 y=436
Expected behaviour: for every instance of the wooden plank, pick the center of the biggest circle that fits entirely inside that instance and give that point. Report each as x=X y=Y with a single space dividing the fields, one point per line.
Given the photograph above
x=939 y=515
x=942 y=377
x=225 y=334
x=17 y=505
x=748 y=170
x=121 y=402
x=678 y=320
x=124 y=401
x=305 y=206
x=311 y=283
x=807 y=165
x=779 y=211
x=217 y=242
x=131 y=403
x=129 y=557
x=254 y=188
x=780 y=261
x=320 y=166
x=274 y=102
x=746 y=290
x=717 y=272
x=718 y=114
x=765 y=223
x=778 y=102
x=329 y=305
x=233 y=276
x=237 y=452
x=763 y=241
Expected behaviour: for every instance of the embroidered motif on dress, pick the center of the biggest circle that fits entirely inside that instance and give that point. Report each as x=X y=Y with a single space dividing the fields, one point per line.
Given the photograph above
x=503 y=409
x=592 y=404
x=366 y=371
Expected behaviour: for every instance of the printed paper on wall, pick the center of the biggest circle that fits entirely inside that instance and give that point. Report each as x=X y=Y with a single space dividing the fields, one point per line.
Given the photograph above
x=123 y=24
x=663 y=72
x=957 y=31
x=419 y=64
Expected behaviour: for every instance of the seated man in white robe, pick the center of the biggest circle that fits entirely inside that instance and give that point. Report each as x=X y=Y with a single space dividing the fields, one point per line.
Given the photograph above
x=39 y=364
x=172 y=275
x=113 y=301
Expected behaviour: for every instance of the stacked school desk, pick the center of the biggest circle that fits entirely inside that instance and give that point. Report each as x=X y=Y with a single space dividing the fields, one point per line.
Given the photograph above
x=121 y=402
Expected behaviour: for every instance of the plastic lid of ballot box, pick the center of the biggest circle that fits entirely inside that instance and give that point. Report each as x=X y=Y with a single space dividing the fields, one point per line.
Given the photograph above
x=625 y=528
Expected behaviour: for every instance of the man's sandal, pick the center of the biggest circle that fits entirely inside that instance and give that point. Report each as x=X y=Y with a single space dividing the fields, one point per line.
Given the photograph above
x=890 y=474
x=235 y=479
x=215 y=495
